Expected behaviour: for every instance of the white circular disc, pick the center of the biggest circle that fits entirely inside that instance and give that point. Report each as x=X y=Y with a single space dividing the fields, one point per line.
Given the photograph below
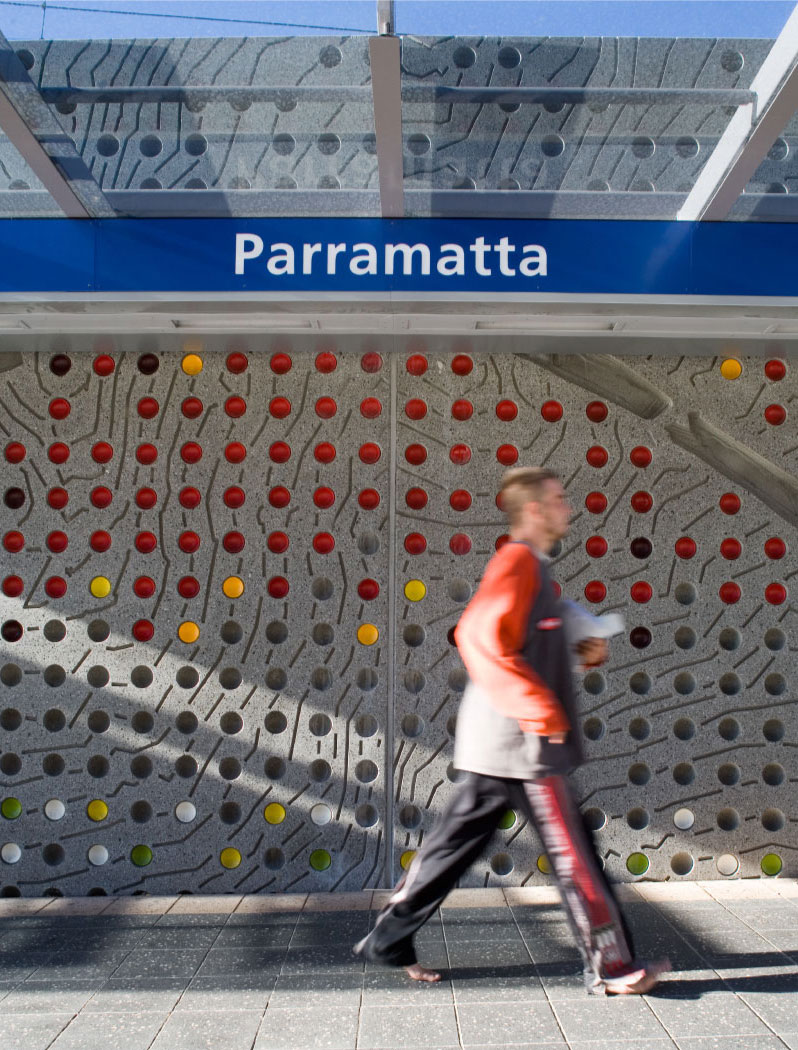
x=321 y=814
x=185 y=812
x=684 y=819
x=54 y=809
x=727 y=864
x=11 y=853
x=97 y=855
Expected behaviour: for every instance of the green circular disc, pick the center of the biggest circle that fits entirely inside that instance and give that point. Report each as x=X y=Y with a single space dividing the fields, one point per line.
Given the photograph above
x=11 y=808
x=637 y=863
x=508 y=820
x=141 y=856
x=771 y=864
x=320 y=860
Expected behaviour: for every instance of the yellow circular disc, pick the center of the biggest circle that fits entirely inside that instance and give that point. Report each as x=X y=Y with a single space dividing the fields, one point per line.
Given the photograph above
x=274 y=813
x=97 y=809
x=415 y=590
x=100 y=586
x=367 y=634
x=230 y=857
x=188 y=632
x=192 y=364
x=407 y=858
x=731 y=368
x=233 y=586
x=543 y=864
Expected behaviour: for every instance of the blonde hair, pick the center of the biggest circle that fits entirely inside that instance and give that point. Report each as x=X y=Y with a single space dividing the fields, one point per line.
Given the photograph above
x=523 y=485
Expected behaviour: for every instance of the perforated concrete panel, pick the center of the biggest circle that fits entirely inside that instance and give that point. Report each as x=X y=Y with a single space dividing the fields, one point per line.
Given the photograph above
x=231 y=572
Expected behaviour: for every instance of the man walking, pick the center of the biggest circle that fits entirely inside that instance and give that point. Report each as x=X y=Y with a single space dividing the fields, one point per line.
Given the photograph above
x=516 y=738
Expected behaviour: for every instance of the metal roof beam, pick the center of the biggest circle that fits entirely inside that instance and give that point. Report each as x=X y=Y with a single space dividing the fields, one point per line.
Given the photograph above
x=44 y=145
x=750 y=133
x=386 y=84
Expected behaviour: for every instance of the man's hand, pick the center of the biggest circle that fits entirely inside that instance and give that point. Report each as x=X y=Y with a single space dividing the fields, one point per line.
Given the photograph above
x=593 y=652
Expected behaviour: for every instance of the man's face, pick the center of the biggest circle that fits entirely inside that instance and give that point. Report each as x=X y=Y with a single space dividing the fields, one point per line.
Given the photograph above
x=555 y=510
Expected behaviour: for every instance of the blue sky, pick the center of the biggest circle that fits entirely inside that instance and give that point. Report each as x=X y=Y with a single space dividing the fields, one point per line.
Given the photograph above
x=79 y=19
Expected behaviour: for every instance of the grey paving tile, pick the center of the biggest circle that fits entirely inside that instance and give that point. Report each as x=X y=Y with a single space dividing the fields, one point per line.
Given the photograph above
x=414 y=1026
x=265 y=918
x=508 y=1023
x=32 y=1031
x=488 y=953
x=18 y=966
x=393 y=987
x=778 y=1009
x=127 y=995
x=298 y=990
x=152 y=962
x=47 y=997
x=523 y=1046
x=708 y=1014
x=501 y=931
x=785 y=940
x=743 y=1042
x=790 y=1039
x=322 y=959
x=180 y=938
x=308 y=1029
x=74 y=966
x=185 y=920
x=133 y=1031
x=604 y=1019
x=242 y=960
x=229 y=991
x=306 y=936
x=622 y=1044
x=562 y=980
x=189 y=1030
x=259 y=935
x=490 y=984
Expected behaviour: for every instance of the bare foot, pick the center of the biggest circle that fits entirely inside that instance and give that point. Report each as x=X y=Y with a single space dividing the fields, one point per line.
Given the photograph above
x=417 y=972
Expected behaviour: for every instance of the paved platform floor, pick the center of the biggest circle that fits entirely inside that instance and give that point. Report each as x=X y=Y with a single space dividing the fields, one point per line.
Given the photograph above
x=277 y=973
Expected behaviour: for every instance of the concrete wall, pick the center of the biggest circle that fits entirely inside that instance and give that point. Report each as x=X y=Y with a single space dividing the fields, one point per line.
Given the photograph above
x=298 y=735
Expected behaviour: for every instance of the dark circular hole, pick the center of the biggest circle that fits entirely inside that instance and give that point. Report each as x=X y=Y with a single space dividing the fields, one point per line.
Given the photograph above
x=773 y=774
x=684 y=729
x=10 y=675
x=97 y=676
x=683 y=773
x=229 y=768
x=230 y=678
x=366 y=771
x=729 y=774
x=412 y=726
x=321 y=588
x=639 y=773
x=367 y=679
x=638 y=818
x=187 y=677
x=410 y=817
x=231 y=723
x=186 y=766
x=107 y=145
x=320 y=724
x=142 y=722
x=53 y=854
x=231 y=632
x=141 y=766
x=276 y=722
x=230 y=813
x=150 y=146
x=728 y=819
x=141 y=676
x=368 y=543
x=273 y=859
x=148 y=364
x=54 y=720
x=729 y=684
x=685 y=637
x=54 y=631
x=10 y=764
x=98 y=630
x=640 y=728
x=773 y=730
x=323 y=634
x=276 y=632
x=319 y=770
x=14 y=498
x=729 y=728
x=195 y=145
x=276 y=679
x=509 y=57
x=11 y=631
x=10 y=719
x=186 y=722
x=321 y=678
x=593 y=728
x=366 y=725
x=97 y=767
x=98 y=721
x=414 y=681
x=594 y=683
x=274 y=768
x=640 y=637
x=413 y=635
x=53 y=765
x=464 y=57
x=775 y=684
x=775 y=639
x=141 y=812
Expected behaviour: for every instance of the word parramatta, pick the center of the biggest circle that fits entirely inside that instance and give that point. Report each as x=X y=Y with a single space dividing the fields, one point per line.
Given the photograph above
x=364 y=259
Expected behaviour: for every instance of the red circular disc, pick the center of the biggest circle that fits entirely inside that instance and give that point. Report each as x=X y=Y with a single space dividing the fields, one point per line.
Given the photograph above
x=60 y=364
x=278 y=586
x=55 y=587
x=415 y=543
x=729 y=503
x=596 y=546
x=415 y=454
x=501 y=540
x=369 y=499
x=233 y=542
x=57 y=541
x=326 y=362
x=641 y=502
x=146 y=542
x=640 y=637
x=776 y=593
x=551 y=411
x=143 y=630
x=191 y=407
x=597 y=456
x=100 y=541
x=730 y=593
x=189 y=497
x=58 y=498
x=416 y=498
x=416 y=408
x=13 y=586
x=101 y=497
x=148 y=407
x=15 y=452
x=641 y=592
x=59 y=408
x=146 y=454
x=460 y=499
x=191 y=452
x=370 y=452
x=277 y=542
x=188 y=542
x=775 y=370
x=370 y=407
x=640 y=456
x=326 y=407
x=460 y=454
x=235 y=407
x=506 y=411
x=102 y=452
x=148 y=364
x=324 y=497
x=462 y=409
x=324 y=452
x=188 y=587
x=596 y=411
x=462 y=364
x=368 y=590
x=595 y=591
x=144 y=587
x=775 y=415
x=416 y=364
x=13 y=541
x=280 y=364
x=103 y=365
x=731 y=549
x=279 y=452
x=775 y=548
x=237 y=363
x=460 y=543
x=279 y=496
x=596 y=502
x=234 y=497
x=235 y=452
x=641 y=547
x=371 y=361
x=58 y=452
x=507 y=455
x=323 y=543
x=500 y=501
x=146 y=498
x=279 y=407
